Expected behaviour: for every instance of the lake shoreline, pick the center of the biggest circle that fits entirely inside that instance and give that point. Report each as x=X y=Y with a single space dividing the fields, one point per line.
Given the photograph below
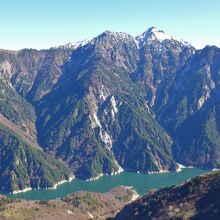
x=70 y=178
x=107 y=182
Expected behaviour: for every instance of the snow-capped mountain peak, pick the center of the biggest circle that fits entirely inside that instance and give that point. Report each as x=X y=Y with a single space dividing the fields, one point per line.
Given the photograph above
x=158 y=34
x=81 y=43
x=73 y=45
x=113 y=35
x=152 y=34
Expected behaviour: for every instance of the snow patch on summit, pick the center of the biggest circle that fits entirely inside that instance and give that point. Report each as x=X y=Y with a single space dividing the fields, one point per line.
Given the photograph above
x=151 y=35
x=73 y=45
x=115 y=35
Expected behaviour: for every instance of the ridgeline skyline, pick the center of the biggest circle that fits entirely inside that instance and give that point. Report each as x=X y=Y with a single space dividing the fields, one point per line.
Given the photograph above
x=45 y=24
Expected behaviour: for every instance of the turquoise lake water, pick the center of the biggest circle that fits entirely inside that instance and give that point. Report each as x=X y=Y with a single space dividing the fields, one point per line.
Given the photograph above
x=140 y=182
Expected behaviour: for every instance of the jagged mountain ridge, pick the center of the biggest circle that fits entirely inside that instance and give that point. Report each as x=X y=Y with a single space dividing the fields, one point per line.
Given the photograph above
x=110 y=57
x=98 y=103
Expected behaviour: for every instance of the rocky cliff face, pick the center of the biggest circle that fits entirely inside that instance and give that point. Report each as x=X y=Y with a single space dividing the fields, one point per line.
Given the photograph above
x=160 y=56
x=191 y=113
x=33 y=73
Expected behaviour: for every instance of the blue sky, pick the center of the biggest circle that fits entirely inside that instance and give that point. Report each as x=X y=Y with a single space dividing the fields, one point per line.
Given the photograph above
x=46 y=23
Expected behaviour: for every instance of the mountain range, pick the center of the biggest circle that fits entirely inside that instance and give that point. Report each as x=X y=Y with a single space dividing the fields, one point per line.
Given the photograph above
x=113 y=103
